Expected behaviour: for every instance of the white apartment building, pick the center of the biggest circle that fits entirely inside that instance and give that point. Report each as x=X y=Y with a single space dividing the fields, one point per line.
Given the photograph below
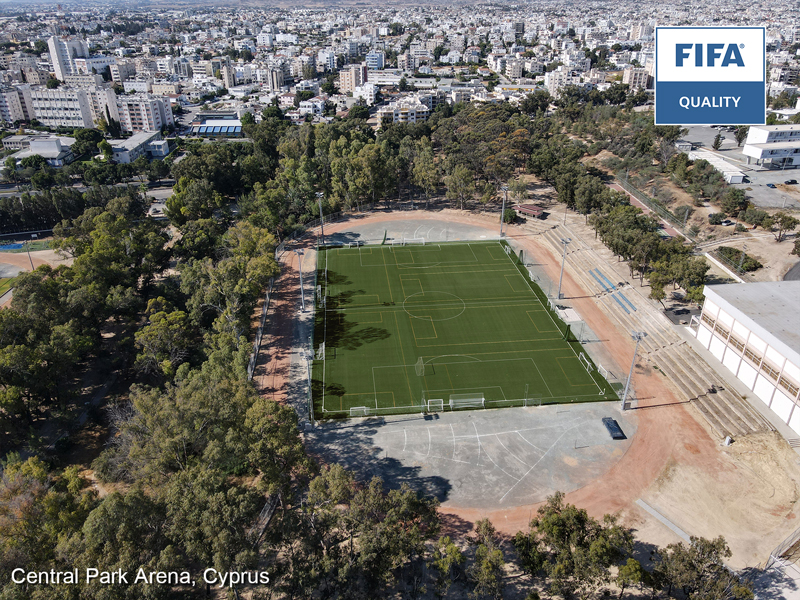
x=93 y=64
x=140 y=86
x=63 y=54
x=144 y=112
x=773 y=146
x=367 y=92
x=750 y=328
x=514 y=68
x=375 y=60
x=164 y=88
x=62 y=108
x=561 y=77
x=10 y=105
x=123 y=70
x=327 y=60
x=407 y=110
x=83 y=81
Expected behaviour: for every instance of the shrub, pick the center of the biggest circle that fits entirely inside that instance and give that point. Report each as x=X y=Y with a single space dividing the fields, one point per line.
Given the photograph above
x=734 y=256
x=716 y=218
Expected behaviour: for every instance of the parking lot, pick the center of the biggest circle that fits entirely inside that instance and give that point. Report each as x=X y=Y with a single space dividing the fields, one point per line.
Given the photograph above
x=756 y=184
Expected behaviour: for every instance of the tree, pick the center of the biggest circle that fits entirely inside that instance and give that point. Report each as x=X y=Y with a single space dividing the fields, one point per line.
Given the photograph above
x=425 y=174
x=106 y=149
x=248 y=119
x=574 y=550
x=783 y=223
x=460 y=184
x=740 y=134
x=52 y=83
x=717 y=143
x=86 y=141
x=698 y=570
x=487 y=570
x=628 y=574
x=165 y=342
x=448 y=560
x=358 y=112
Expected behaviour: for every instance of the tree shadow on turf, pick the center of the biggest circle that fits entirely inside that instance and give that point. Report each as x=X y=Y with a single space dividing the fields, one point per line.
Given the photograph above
x=350 y=335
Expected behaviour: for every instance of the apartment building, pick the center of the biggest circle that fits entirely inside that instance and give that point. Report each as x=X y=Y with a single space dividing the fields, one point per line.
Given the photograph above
x=636 y=78
x=144 y=112
x=352 y=77
x=62 y=107
x=122 y=71
x=375 y=60
x=83 y=81
x=407 y=110
x=63 y=54
x=10 y=105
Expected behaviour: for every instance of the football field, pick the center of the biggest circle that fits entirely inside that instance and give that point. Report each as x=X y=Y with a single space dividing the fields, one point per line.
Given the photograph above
x=405 y=328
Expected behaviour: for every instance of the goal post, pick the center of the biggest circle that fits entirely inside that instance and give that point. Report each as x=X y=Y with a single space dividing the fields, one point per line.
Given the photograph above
x=474 y=400
x=414 y=241
x=587 y=364
x=419 y=367
x=436 y=405
x=534 y=400
x=359 y=411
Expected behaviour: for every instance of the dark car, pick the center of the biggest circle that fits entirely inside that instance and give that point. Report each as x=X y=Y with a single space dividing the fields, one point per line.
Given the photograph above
x=613 y=428
x=771 y=185
x=791 y=182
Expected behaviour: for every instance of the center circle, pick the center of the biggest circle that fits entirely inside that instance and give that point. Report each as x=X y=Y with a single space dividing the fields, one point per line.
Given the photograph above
x=434 y=306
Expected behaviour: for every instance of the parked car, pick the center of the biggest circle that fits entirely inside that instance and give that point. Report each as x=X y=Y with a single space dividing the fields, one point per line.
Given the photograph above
x=727 y=222
x=791 y=182
x=771 y=185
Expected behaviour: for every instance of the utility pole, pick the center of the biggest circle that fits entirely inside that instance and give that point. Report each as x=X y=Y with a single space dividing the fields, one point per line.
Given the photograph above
x=28 y=248
x=300 y=269
x=638 y=336
x=321 y=220
x=564 y=241
x=503 y=212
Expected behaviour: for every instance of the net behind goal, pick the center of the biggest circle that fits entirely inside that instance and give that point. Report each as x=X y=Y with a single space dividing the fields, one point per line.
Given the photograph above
x=467 y=401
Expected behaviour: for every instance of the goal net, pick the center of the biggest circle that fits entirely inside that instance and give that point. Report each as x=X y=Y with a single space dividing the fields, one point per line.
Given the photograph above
x=436 y=405
x=534 y=400
x=359 y=411
x=467 y=401
x=321 y=351
x=585 y=362
x=420 y=367
x=414 y=241
x=603 y=371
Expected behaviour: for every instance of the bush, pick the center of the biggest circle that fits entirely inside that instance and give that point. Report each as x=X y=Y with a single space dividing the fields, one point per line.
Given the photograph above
x=509 y=216
x=716 y=218
x=740 y=228
x=734 y=256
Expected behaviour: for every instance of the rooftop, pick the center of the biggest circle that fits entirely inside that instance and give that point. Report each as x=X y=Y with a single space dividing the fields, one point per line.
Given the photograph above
x=772 y=305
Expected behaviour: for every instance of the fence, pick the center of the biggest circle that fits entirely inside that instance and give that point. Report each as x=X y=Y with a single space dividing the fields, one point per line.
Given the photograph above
x=306 y=227
x=776 y=556
x=658 y=208
x=251 y=367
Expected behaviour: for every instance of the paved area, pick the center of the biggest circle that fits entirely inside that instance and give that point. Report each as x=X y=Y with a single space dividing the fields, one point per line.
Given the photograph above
x=756 y=187
x=7 y=270
x=481 y=459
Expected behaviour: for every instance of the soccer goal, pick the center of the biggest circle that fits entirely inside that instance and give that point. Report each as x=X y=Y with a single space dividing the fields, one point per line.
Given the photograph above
x=603 y=371
x=359 y=411
x=414 y=241
x=507 y=250
x=436 y=405
x=467 y=401
x=587 y=364
x=321 y=351
x=534 y=400
x=419 y=367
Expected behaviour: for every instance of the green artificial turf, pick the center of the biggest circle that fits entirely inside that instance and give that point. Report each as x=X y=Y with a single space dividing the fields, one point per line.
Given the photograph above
x=469 y=311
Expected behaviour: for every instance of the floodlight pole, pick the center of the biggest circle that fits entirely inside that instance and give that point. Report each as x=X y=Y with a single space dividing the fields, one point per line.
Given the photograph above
x=28 y=248
x=741 y=259
x=638 y=336
x=321 y=220
x=564 y=241
x=300 y=269
x=503 y=212
x=308 y=354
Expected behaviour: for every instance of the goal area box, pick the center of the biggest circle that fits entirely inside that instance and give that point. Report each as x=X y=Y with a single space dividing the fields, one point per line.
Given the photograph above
x=413 y=327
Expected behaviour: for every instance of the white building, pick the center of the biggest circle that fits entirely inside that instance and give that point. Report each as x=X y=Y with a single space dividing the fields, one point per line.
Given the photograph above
x=751 y=329
x=367 y=92
x=93 y=64
x=137 y=85
x=375 y=60
x=10 y=105
x=128 y=150
x=327 y=60
x=62 y=108
x=773 y=146
x=144 y=112
x=404 y=111
x=63 y=54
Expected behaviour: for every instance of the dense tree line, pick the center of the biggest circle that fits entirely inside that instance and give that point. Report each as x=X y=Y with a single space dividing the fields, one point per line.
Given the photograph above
x=196 y=454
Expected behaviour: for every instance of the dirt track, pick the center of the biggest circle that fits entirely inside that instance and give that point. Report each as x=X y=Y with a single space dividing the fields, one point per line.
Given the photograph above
x=673 y=460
